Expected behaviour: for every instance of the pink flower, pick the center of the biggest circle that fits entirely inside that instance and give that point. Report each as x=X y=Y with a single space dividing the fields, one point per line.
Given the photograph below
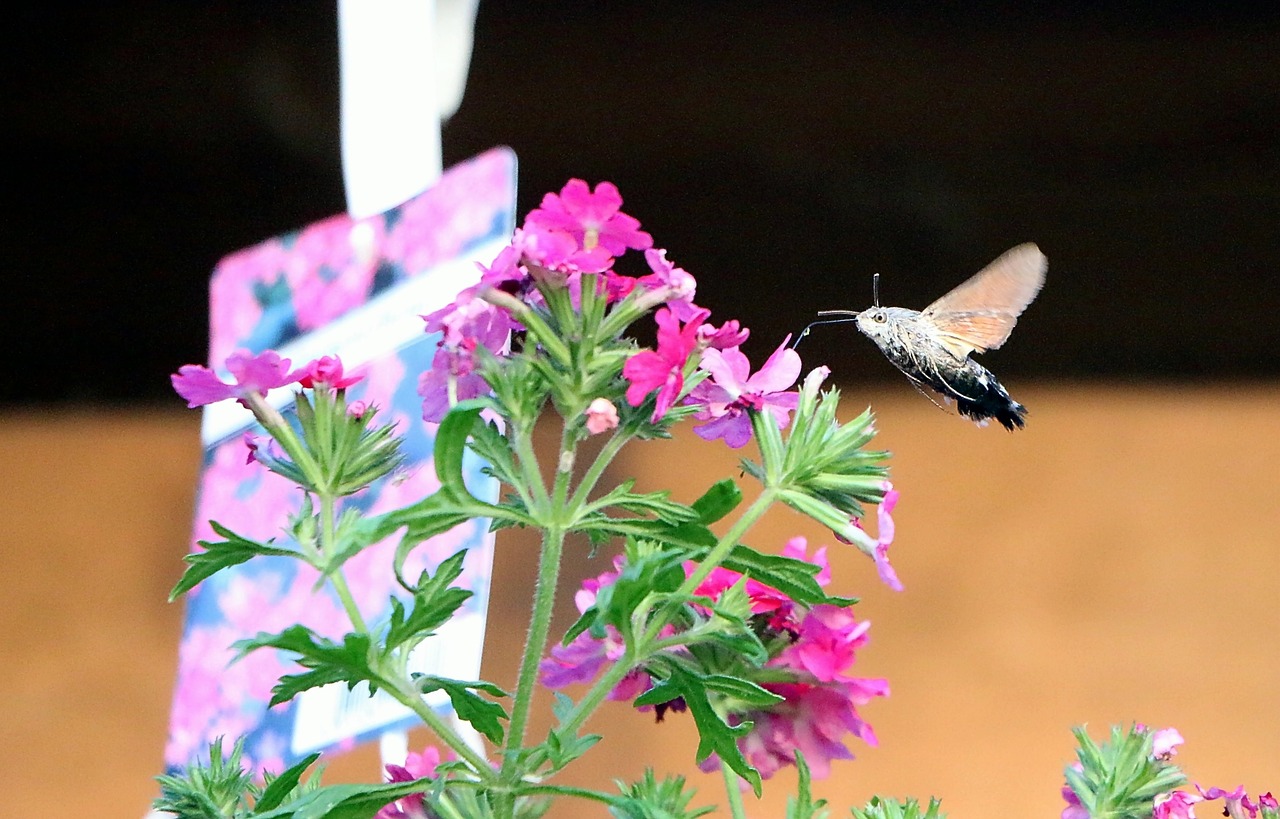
x=1175 y=805
x=826 y=642
x=1268 y=802
x=729 y=334
x=1237 y=804
x=602 y=416
x=663 y=370
x=252 y=373
x=1165 y=742
x=327 y=372
x=878 y=548
x=730 y=392
x=592 y=218
x=812 y=719
x=357 y=409
x=416 y=766
x=665 y=274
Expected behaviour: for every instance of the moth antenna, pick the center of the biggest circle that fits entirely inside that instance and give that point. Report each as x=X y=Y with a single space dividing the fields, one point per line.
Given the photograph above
x=875 y=289
x=845 y=316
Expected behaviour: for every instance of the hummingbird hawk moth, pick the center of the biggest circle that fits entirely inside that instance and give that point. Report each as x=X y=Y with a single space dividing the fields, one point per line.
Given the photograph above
x=932 y=346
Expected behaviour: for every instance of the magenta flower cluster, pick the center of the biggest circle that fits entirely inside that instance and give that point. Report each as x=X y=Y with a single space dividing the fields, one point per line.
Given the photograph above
x=581 y=232
x=821 y=699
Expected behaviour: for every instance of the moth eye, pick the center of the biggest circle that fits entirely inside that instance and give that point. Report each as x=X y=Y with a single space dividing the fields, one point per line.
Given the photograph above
x=878 y=317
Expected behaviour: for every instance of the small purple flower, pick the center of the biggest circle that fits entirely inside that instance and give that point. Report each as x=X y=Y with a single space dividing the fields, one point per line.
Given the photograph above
x=730 y=392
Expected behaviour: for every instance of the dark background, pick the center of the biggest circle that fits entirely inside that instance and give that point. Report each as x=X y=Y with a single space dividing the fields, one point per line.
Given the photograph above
x=782 y=153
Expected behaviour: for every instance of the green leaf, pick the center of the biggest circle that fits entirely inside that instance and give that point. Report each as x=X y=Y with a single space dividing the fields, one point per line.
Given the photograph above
x=802 y=805
x=219 y=555
x=346 y=801
x=642 y=577
x=329 y=662
x=434 y=602
x=683 y=535
x=794 y=578
x=493 y=447
x=744 y=691
x=656 y=504
x=721 y=499
x=484 y=715
x=715 y=736
x=451 y=444
x=283 y=785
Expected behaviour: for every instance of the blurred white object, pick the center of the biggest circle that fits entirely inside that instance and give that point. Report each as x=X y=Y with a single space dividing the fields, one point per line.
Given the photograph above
x=403 y=66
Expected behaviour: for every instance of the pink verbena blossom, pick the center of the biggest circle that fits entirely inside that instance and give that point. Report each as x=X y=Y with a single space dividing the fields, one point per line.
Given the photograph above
x=467 y=324
x=813 y=720
x=602 y=416
x=663 y=369
x=326 y=371
x=1175 y=805
x=821 y=705
x=680 y=283
x=251 y=373
x=452 y=378
x=766 y=599
x=878 y=548
x=416 y=766
x=1165 y=742
x=1236 y=804
x=729 y=334
x=732 y=391
x=593 y=218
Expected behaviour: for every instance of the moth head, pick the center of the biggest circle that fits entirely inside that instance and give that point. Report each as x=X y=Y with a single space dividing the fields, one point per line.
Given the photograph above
x=874 y=322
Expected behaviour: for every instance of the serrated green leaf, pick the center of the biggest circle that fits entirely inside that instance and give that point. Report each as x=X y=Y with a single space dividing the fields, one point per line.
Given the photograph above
x=484 y=715
x=657 y=504
x=327 y=661
x=434 y=602
x=222 y=554
x=715 y=736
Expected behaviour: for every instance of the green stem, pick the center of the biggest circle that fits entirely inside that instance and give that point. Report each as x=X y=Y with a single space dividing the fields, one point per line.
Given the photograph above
x=592 y=476
x=412 y=699
x=544 y=597
x=328 y=527
x=522 y=438
x=733 y=791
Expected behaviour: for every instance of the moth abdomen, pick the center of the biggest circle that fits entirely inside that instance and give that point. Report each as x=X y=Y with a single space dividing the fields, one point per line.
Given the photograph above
x=979 y=395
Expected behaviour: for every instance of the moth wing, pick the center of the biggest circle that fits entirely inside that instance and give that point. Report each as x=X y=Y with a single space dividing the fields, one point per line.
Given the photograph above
x=979 y=314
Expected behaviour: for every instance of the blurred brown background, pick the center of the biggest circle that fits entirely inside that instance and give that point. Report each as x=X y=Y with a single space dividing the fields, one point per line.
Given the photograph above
x=1113 y=562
